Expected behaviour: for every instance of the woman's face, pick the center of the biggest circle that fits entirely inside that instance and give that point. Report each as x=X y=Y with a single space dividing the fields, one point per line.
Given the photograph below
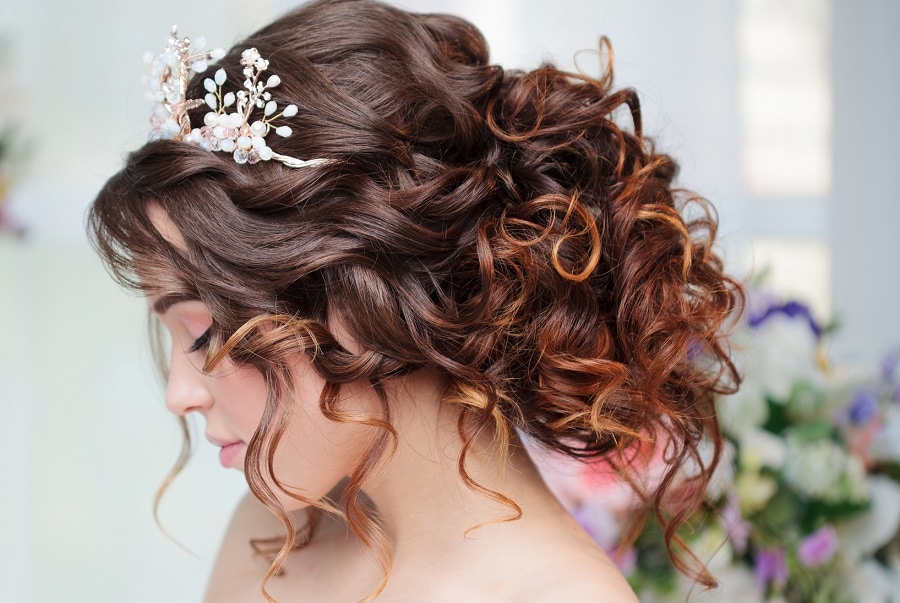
x=315 y=452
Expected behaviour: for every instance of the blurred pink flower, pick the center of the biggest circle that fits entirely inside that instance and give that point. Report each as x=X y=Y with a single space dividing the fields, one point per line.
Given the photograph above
x=819 y=547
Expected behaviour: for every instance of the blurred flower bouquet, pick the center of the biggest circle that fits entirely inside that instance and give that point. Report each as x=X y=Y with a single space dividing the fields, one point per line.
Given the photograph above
x=805 y=506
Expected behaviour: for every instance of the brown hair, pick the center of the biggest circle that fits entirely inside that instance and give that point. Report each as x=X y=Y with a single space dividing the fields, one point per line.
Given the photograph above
x=498 y=226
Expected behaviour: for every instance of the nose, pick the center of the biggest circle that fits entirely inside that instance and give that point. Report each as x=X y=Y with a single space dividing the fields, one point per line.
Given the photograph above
x=186 y=389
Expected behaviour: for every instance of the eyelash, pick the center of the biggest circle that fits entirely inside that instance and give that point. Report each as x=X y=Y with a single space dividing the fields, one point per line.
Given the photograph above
x=202 y=341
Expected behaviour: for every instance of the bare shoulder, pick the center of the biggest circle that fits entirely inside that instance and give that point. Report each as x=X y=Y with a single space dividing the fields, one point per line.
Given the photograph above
x=572 y=569
x=239 y=570
x=602 y=587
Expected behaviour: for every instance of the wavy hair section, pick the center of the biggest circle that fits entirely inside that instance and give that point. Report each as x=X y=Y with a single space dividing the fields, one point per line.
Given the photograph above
x=501 y=227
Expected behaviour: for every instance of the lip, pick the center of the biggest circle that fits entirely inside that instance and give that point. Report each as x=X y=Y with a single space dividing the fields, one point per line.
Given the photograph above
x=231 y=449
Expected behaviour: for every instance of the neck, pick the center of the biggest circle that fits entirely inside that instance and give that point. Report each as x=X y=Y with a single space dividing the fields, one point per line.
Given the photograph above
x=420 y=494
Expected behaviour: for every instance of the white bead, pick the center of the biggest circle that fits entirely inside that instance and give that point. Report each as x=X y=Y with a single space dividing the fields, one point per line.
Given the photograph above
x=223 y=120
x=283 y=131
x=209 y=85
x=210 y=119
x=258 y=142
x=199 y=66
x=216 y=53
x=200 y=42
x=212 y=101
x=273 y=81
x=228 y=145
x=244 y=142
x=290 y=111
x=219 y=132
x=271 y=107
x=258 y=128
x=265 y=153
x=235 y=120
x=221 y=76
x=229 y=99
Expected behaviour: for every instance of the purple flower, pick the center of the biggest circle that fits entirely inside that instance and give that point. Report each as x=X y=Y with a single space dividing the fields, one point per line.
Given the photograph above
x=819 y=547
x=771 y=566
x=863 y=409
x=737 y=529
x=791 y=309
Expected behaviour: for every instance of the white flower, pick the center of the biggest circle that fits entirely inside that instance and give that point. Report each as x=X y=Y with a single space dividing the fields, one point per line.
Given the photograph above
x=249 y=56
x=871 y=582
x=780 y=353
x=866 y=533
x=823 y=470
x=759 y=449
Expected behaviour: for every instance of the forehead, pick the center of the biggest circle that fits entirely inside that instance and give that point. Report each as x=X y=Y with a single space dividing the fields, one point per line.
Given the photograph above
x=161 y=283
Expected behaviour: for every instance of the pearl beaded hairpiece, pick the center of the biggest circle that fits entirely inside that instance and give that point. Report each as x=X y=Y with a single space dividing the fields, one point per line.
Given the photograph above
x=232 y=132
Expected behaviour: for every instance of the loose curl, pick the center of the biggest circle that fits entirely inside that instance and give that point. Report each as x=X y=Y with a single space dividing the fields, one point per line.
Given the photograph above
x=498 y=226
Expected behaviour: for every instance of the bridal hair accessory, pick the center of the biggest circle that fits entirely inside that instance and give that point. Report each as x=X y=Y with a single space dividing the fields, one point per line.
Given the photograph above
x=230 y=125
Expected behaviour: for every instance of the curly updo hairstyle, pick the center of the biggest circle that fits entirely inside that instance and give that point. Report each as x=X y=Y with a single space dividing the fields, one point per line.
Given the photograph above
x=498 y=226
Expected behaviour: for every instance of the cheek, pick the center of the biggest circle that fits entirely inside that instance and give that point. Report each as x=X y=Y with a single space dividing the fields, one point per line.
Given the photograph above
x=241 y=398
x=316 y=452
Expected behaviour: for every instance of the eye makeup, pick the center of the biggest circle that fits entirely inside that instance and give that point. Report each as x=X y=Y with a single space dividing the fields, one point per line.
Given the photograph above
x=202 y=341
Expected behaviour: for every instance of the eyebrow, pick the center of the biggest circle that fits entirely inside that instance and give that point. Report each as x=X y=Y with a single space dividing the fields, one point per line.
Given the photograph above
x=165 y=302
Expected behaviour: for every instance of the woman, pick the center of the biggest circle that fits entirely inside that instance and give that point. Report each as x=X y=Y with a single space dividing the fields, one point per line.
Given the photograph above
x=384 y=264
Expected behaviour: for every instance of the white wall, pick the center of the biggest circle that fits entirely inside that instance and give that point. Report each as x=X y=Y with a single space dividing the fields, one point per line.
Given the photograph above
x=83 y=433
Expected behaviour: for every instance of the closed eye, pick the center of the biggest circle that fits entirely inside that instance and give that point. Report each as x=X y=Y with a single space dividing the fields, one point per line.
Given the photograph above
x=202 y=341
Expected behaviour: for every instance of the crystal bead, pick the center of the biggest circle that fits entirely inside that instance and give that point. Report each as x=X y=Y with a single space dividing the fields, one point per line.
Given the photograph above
x=258 y=128
x=253 y=157
x=241 y=156
x=214 y=144
x=231 y=133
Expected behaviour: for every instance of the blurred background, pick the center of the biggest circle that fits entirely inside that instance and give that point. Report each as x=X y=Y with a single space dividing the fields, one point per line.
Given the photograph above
x=782 y=112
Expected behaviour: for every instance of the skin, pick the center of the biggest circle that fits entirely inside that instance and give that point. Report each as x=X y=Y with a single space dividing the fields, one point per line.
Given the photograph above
x=427 y=509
